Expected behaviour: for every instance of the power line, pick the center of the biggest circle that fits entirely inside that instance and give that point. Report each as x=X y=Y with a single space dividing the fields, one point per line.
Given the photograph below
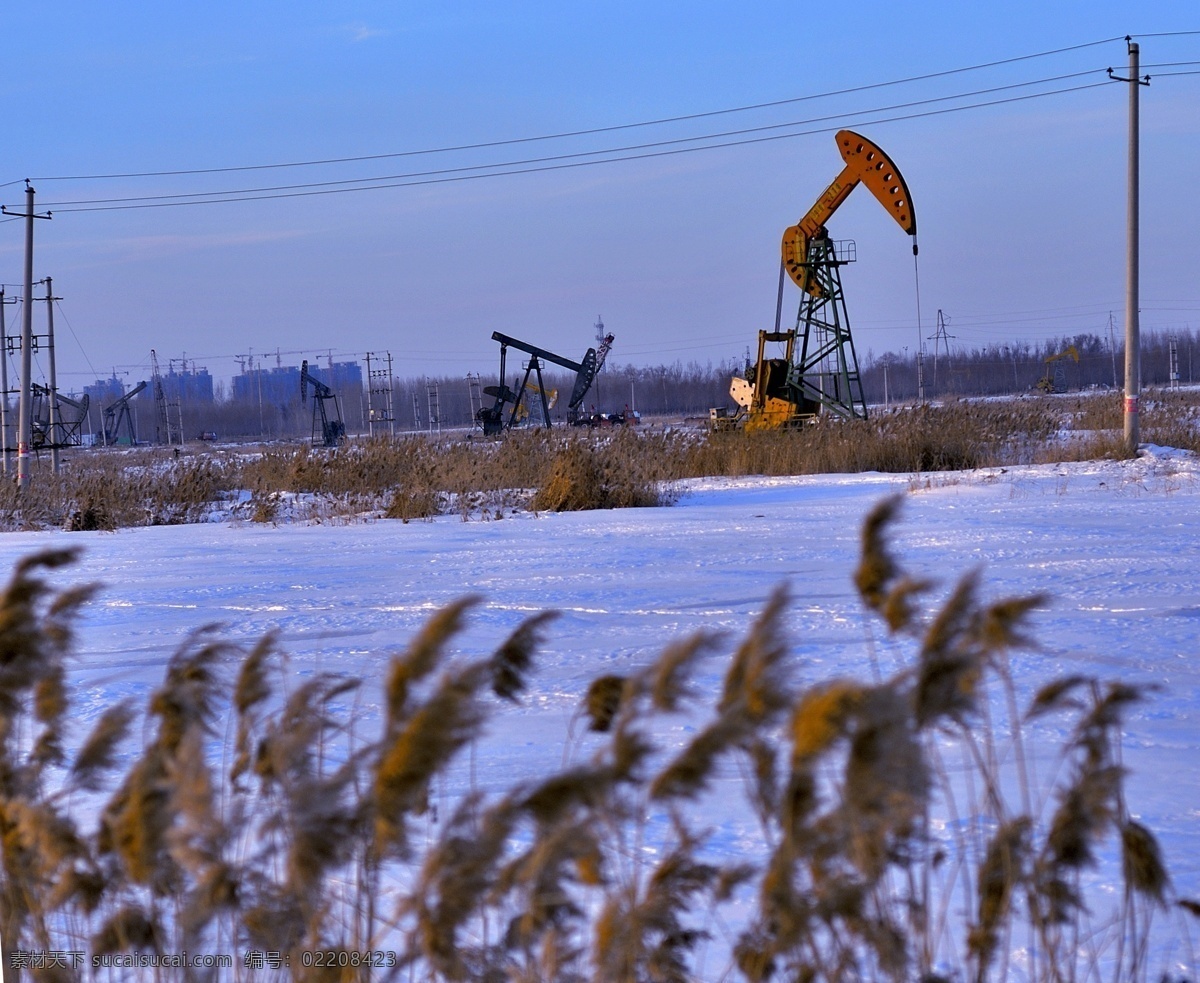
x=1163 y=34
x=578 y=155
x=584 y=132
x=71 y=328
x=449 y=176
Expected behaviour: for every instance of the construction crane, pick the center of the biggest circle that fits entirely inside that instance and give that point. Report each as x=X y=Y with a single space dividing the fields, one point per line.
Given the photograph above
x=117 y=415
x=824 y=374
x=331 y=431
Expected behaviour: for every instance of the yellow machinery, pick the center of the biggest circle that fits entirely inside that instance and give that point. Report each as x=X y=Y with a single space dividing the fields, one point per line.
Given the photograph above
x=823 y=375
x=1057 y=384
x=766 y=399
x=521 y=414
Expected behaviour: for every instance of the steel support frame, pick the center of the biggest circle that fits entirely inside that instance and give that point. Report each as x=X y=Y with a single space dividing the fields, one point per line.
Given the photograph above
x=827 y=372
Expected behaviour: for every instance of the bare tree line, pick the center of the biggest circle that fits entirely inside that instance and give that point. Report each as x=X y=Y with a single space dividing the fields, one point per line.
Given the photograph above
x=424 y=403
x=1018 y=367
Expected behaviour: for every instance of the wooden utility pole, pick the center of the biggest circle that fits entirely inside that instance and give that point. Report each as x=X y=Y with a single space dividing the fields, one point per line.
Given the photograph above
x=1133 y=352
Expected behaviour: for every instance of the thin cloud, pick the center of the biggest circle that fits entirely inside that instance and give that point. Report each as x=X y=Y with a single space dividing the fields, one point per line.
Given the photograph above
x=162 y=244
x=359 y=31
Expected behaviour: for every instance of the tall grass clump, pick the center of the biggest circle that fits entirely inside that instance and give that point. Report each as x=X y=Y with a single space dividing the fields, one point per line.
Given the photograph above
x=418 y=476
x=106 y=490
x=583 y=473
x=937 y=823
x=956 y=436
x=1172 y=418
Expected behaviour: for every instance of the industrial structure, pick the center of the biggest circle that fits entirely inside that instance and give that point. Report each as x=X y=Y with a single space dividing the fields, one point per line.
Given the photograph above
x=1055 y=379
x=817 y=370
x=328 y=430
x=118 y=425
x=491 y=418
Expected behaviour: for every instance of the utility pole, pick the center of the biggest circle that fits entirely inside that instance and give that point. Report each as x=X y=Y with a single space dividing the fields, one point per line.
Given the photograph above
x=378 y=391
x=1112 y=347
x=370 y=404
x=1133 y=354
x=53 y=429
x=4 y=301
x=24 y=412
x=391 y=386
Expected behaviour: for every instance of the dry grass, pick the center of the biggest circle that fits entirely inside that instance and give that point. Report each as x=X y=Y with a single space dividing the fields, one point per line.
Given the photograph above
x=309 y=833
x=584 y=475
x=420 y=476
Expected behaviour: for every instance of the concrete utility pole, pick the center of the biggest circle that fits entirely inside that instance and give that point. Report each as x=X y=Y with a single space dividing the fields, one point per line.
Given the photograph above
x=1133 y=353
x=4 y=301
x=391 y=396
x=24 y=413
x=370 y=404
x=24 y=409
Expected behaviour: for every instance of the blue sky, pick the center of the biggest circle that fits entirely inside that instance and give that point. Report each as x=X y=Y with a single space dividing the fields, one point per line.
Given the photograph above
x=1020 y=206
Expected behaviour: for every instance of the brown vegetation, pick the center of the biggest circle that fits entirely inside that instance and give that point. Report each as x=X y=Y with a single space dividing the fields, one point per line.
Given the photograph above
x=417 y=476
x=246 y=810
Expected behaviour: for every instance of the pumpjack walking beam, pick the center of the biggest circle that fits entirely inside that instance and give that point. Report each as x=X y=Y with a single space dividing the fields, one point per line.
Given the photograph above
x=585 y=373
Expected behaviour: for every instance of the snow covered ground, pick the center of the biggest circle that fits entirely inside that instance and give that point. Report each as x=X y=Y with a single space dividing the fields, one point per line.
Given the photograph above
x=1117 y=544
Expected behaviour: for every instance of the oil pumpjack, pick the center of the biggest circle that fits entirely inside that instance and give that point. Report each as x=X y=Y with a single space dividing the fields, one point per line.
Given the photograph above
x=779 y=392
x=328 y=430
x=491 y=418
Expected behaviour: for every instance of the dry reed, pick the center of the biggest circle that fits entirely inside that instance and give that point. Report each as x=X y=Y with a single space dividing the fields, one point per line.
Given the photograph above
x=418 y=476
x=304 y=838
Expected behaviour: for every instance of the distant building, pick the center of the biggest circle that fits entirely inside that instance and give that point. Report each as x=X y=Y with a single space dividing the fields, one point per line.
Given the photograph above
x=271 y=387
x=105 y=392
x=189 y=386
x=345 y=375
x=280 y=385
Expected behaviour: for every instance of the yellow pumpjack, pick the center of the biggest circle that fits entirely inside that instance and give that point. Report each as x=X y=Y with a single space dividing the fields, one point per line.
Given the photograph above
x=778 y=392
